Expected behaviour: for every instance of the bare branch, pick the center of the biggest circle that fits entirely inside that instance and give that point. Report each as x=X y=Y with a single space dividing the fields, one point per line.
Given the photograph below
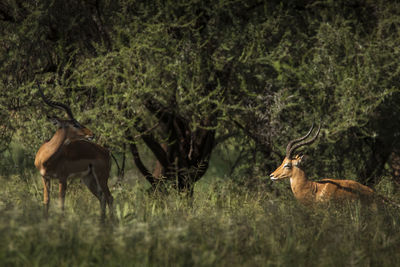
x=151 y=143
x=146 y=131
x=139 y=164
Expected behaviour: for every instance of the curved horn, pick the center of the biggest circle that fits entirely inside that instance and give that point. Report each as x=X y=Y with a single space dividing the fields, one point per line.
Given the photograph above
x=55 y=104
x=291 y=143
x=305 y=142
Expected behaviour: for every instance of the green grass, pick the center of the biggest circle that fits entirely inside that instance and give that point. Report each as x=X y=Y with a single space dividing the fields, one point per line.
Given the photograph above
x=223 y=226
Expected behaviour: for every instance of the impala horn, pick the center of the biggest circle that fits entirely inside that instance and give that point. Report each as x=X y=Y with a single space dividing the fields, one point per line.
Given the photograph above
x=56 y=104
x=294 y=144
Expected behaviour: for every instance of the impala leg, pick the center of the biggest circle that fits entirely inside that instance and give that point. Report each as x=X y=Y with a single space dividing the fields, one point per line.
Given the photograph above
x=107 y=194
x=102 y=199
x=100 y=195
x=62 y=188
x=91 y=184
x=103 y=203
x=94 y=187
x=46 y=195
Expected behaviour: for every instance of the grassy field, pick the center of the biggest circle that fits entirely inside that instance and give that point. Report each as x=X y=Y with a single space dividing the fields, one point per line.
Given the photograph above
x=223 y=226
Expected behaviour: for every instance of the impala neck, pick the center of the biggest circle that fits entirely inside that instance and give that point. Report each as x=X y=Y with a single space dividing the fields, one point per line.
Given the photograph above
x=299 y=183
x=56 y=142
x=58 y=138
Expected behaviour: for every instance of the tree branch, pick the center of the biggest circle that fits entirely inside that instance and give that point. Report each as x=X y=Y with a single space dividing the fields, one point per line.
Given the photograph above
x=158 y=110
x=139 y=164
x=248 y=133
x=151 y=143
x=223 y=138
x=255 y=137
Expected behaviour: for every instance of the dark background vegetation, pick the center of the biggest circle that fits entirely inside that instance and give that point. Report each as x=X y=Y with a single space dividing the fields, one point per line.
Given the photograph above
x=182 y=77
x=176 y=88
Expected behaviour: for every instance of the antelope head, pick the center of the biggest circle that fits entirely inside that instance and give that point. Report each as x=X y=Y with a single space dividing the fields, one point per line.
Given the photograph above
x=74 y=130
x=285 y=170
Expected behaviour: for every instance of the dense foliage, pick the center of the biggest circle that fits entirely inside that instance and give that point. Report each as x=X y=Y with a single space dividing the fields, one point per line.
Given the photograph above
x=182 y=77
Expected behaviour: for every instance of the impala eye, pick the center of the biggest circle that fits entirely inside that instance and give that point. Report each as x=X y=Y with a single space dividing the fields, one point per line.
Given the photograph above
x=287 y=165
x=76 y=125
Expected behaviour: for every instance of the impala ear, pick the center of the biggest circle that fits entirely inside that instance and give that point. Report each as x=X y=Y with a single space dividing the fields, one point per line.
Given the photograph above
x=300 y=160
x=54 y=120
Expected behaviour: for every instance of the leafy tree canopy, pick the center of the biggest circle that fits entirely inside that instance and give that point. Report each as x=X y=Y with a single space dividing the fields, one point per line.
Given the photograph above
x=182 y=76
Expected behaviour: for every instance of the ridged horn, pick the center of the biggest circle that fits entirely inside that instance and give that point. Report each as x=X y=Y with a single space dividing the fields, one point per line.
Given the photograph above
x=55 y=104
x=308 y=142
x=291 y=143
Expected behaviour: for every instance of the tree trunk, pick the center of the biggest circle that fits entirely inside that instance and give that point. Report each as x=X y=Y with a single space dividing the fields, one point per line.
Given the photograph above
x=183 y=159
x=376 y=162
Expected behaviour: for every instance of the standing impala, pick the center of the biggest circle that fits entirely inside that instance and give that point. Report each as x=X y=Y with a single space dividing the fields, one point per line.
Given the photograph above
x=70 y=153
x=307 y=191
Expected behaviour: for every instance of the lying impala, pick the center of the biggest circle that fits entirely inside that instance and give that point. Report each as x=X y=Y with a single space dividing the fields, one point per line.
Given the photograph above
x=307 y=191
x=70 y=153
